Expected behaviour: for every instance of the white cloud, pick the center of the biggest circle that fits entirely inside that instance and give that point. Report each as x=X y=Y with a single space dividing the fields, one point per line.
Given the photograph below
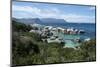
x=42 y=13
x=25 y=9
x=20 y=8
x=79 y=18
x=51 y=13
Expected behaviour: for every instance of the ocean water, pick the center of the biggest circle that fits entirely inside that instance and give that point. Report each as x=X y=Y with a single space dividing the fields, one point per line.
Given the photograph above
x=90 y=31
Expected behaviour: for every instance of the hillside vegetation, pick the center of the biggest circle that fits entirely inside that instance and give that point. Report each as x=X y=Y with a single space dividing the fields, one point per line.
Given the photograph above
x=27 y=48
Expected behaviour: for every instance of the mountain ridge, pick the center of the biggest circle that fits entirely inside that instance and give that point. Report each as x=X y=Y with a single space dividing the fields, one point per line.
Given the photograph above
x=39 y=20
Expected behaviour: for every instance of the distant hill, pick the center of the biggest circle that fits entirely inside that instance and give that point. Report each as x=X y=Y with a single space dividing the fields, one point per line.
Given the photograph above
x=28 y=21
x=40 y=20
x=52 y=20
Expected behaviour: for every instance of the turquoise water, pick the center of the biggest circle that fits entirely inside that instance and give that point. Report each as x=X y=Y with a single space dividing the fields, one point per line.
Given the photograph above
x=90 y=28
x=69 y=43
x=90 y=31
x=69 y=40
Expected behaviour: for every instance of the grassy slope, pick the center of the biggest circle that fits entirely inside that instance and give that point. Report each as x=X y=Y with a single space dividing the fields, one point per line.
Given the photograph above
x=27 y=48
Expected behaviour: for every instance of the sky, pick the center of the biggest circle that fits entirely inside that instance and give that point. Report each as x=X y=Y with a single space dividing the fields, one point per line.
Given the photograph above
x=68 y=12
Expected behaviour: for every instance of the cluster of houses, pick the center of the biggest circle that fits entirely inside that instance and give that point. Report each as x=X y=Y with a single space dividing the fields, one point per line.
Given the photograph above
x=50 y=33
x=73 y=31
